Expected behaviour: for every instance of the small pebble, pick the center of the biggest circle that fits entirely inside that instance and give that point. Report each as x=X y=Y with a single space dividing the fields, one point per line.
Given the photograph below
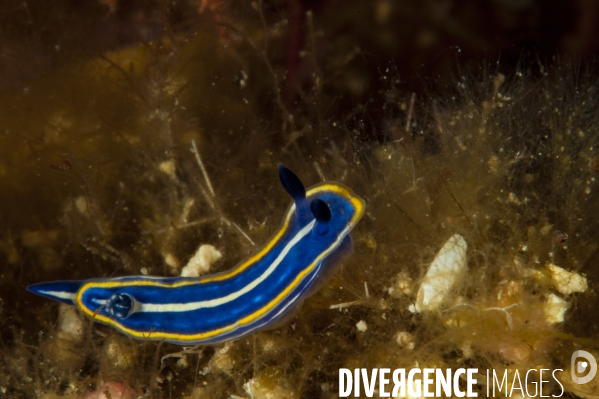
x=362 y=326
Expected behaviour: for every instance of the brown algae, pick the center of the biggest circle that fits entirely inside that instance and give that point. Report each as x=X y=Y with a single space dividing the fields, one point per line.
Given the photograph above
x=136 y=158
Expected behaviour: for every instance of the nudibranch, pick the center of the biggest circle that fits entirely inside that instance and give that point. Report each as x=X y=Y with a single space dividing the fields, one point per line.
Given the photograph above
x=254 y=295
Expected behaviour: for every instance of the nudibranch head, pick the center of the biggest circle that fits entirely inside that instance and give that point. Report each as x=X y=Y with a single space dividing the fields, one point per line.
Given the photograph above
x=331 y=205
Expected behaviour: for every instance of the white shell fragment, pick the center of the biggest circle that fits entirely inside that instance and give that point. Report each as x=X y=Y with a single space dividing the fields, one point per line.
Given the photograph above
x=70 y=322
x=445 y=270
x=555 y=308
x=201 y=261
x=567 y=282
x=362 y=326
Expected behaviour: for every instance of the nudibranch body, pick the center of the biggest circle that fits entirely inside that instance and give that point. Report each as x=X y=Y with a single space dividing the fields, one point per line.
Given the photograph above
x=252 y=296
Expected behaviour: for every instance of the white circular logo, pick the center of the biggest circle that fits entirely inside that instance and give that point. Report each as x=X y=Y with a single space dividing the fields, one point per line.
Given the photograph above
x=580 y=366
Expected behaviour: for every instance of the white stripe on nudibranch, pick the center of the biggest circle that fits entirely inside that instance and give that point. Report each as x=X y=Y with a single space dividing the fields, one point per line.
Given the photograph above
x=60 y=294
x=189 y=306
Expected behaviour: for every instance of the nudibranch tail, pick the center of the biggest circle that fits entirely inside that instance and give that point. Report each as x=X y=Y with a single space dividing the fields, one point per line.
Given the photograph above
x=61 y=291
x=257 y=293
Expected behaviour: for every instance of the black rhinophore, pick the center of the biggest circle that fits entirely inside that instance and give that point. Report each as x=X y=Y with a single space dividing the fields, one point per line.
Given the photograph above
x=320 y=210
x=293 y=185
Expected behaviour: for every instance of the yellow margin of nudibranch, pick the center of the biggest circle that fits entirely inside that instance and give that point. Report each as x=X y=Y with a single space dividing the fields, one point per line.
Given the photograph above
x=337 y=188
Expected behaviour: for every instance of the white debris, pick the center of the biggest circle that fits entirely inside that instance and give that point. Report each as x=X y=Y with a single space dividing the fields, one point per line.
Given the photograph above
x=362 y=326
x=188 y=204
x=182 y=362
x=270 y=384
x=168 y=167
x=70 y=322
x=81 y=205
x=567 y=282
x=171 y=260
x=445 y=270
x=405 y=340
x=343 y=305
x=117 y=355
x=532 y=273
x=201 y=262
x=555 y=308
x=223 y=360
x=401 y=286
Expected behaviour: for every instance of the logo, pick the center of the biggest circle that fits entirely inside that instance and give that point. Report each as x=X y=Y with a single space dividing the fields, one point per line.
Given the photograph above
x=581 y=366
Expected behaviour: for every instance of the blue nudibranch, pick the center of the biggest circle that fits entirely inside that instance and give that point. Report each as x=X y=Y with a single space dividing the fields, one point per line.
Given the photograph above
x=252 y=296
